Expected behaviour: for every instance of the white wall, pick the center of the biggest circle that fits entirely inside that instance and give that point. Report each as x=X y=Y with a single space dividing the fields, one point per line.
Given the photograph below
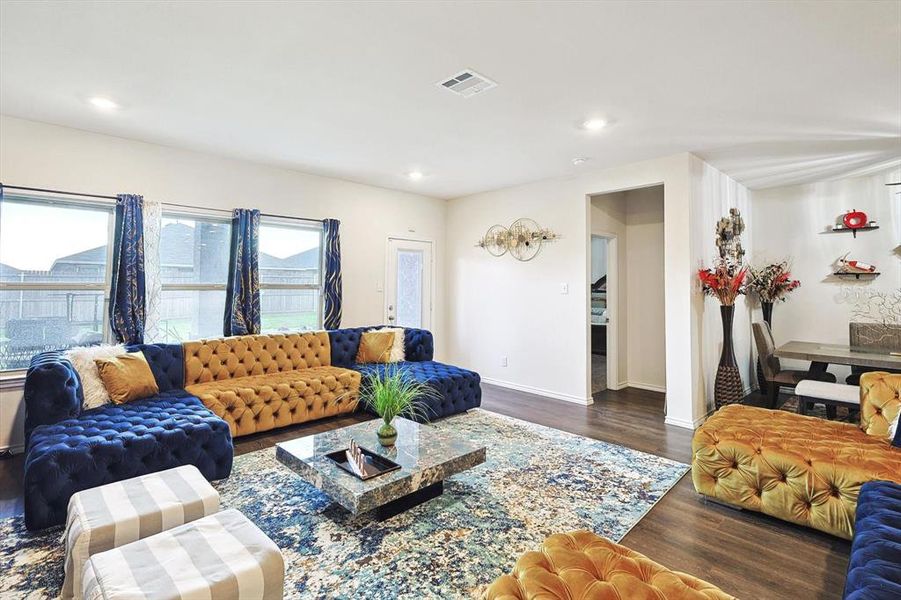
x=717 y=193
x=498 y=307
x=644 y=279
x=790 y=224
x=40 y=155
x=598 y=258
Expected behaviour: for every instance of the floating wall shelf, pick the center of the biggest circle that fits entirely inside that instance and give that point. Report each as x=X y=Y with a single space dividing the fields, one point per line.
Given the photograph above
x=853 y=230
x=857 y=275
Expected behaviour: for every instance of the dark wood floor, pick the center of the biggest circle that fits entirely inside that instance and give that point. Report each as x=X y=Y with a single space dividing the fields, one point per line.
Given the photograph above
x=747 y=554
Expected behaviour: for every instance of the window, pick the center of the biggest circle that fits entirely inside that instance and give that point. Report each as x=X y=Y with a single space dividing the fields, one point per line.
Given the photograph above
x=290 y=275
x=194 y=253
x=54 y=275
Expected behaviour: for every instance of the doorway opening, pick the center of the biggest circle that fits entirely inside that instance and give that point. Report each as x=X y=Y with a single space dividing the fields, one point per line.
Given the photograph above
x=626 y=320
x=600 y=316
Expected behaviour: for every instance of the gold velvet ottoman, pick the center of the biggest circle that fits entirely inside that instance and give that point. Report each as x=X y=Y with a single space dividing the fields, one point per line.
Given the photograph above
x=584 y=566
x=804 y=470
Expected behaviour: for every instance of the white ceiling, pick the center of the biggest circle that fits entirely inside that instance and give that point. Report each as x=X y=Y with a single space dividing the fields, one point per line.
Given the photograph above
x=772 y=93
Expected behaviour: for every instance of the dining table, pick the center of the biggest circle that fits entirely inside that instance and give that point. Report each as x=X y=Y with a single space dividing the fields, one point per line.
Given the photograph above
x=822 y=355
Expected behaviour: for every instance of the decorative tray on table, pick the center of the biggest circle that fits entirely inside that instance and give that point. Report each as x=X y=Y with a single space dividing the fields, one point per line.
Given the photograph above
x=362 y=463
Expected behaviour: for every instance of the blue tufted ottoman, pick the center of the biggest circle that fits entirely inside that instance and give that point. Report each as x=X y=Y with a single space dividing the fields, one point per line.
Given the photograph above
x=874 y=570
x=116 y=442
x=458 y=389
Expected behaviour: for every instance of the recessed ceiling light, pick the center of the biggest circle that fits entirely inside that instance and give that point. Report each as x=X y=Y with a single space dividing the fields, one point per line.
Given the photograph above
x=103 y=103
x=580 y=160
x=594 y=124
x=415 y=175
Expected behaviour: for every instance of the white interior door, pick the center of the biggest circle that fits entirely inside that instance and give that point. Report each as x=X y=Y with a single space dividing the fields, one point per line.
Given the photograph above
x=408 y=292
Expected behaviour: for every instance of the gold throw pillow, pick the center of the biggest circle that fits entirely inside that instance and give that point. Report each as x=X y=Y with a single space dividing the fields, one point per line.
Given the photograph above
x=127 y=377
x=375 y=347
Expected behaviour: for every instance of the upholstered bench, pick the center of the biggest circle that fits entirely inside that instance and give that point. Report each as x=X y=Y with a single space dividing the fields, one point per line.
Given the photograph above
x=116 y=514
x=116 y=442
x=222 y=556
x=800 y=469
x=586 y=566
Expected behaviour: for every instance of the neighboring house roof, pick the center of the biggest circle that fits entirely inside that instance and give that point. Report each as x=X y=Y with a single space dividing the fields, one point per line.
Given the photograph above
x=8 y=271
x=177 y=249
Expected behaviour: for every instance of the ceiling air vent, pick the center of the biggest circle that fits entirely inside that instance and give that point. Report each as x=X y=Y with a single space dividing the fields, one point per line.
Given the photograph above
x=467 y=83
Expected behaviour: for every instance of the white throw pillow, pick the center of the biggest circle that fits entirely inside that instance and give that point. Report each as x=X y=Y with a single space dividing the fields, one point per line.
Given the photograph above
x=398 y=354
x=83 y=360
x=893 y=428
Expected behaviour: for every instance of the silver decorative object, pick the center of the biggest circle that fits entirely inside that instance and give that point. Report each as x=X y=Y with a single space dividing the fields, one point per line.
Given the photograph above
x=522 y=239
x=728 y=236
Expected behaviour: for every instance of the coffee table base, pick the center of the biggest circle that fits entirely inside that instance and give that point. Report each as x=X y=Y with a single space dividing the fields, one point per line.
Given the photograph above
x=395 y=507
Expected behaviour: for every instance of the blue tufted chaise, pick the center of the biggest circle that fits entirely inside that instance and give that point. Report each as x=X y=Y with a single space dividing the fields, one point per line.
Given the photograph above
x=69 y=449
x=874 y=569
x=458 y=390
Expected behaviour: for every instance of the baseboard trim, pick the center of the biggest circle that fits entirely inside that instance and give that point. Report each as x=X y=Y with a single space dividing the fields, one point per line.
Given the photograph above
x=14 y=449
x=645 y=386
x=539 y=391
x=684 y=423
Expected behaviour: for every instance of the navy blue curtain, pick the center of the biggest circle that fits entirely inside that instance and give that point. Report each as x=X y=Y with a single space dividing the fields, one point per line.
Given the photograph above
x=331 y=313
x=126 y=307
x=242 y=298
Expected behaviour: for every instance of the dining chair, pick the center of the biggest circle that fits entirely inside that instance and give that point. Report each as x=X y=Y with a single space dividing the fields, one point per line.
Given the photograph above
x=776 y=377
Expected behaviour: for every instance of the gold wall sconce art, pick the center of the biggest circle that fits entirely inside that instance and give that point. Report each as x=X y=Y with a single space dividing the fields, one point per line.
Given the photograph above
x=522 y=240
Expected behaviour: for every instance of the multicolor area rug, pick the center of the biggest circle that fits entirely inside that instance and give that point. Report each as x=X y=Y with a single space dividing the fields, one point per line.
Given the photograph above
x=536 y=481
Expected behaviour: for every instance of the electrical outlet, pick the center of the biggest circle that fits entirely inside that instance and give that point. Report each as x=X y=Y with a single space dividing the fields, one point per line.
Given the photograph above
x=564 y=288
x=503 y=361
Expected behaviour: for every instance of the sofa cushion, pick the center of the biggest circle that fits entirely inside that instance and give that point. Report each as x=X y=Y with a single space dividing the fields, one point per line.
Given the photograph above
x=801 y=469
x=262 y=402
x=127 y=377
x=458 y=389
x=584 y=565
x=874 y=568
x=248 y=355
x=115 y=442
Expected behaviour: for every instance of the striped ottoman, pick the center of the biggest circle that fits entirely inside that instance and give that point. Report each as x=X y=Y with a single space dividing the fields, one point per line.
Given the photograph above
x=115 y=514
x=220 y=557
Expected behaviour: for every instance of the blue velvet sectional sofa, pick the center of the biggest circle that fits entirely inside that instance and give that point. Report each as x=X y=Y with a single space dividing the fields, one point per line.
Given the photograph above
x=69 y=449
x=874 y=570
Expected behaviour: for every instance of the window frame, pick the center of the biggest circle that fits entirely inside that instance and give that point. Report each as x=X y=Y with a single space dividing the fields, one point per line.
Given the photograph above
x=294 y=224
x=48 y=286
x=195 y=215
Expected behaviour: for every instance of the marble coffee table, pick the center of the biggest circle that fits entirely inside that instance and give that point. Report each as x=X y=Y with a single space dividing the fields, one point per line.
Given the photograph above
x=426 y=455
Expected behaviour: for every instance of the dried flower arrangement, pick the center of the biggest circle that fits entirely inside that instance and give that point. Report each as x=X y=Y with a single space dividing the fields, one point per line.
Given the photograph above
x=725 y=281
x=773 y=282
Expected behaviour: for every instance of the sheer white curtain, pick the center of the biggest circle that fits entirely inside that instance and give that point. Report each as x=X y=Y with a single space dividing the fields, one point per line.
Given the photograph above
x=152 y=282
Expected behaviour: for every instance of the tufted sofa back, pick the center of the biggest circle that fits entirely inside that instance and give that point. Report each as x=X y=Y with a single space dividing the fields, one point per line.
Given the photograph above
x=241 y=356
x=418 y=344
x=167 y=362
x=880 y=401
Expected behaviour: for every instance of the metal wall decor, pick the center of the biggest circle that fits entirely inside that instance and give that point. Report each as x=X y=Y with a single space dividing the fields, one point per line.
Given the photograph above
x=522 y=239
x=728 y=236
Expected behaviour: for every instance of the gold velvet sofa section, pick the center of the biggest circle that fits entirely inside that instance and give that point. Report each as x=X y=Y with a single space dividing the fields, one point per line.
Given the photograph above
x=805 y=470
x=880 y=401
x=260 y=382
x=584 y=566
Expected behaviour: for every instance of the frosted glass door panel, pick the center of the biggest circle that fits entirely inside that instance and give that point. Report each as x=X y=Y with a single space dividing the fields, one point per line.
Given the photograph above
x=408 y=301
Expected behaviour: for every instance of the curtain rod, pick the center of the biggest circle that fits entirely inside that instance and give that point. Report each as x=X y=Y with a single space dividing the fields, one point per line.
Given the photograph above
x=32 y=189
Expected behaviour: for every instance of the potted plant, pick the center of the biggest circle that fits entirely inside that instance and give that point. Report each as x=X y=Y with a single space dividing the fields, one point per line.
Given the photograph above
x=393 y=393
x=771 y=283
x=725 y=282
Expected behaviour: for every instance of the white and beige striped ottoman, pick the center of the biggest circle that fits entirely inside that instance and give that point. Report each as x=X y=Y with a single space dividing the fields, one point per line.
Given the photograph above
x=220 y=557
x=116 y=514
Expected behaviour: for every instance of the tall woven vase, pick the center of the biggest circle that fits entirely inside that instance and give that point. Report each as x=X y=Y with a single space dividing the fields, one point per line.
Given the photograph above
x=767 y=308
x=727 y=388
